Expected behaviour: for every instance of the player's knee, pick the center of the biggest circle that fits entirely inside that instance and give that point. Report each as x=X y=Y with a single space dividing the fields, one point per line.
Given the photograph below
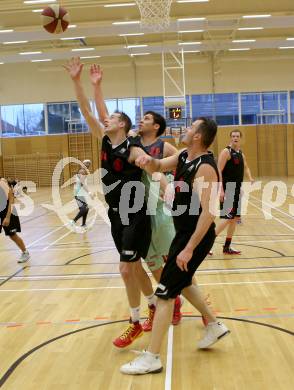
x=126 y=271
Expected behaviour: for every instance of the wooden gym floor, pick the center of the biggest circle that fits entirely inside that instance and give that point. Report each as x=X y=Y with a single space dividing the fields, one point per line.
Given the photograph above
x=60 y=312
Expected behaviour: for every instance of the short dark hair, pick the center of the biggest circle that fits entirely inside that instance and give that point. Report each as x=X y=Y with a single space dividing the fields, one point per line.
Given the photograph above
x=208 y=130
x=126 y=119
x=158 y=120
x=236 y=131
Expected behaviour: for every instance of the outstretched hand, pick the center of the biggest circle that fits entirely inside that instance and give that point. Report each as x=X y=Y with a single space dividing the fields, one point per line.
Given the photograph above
x=74 y=68
x=96 y=74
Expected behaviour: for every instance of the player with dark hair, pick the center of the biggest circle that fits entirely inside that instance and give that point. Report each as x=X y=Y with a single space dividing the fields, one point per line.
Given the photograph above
x=9 y=219
x=195 y=235
x=231 y=164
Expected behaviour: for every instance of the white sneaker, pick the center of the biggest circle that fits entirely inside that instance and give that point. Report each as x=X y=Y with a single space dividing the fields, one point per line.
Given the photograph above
x=145 y=363
x=25 y=256
x=214 y=331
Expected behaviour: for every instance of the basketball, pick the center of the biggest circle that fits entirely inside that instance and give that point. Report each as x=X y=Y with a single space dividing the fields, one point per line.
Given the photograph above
x=55 y=19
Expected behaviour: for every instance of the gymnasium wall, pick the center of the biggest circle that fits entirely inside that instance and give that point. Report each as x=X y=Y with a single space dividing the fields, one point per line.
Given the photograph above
x=269 y=151
x=34 y=83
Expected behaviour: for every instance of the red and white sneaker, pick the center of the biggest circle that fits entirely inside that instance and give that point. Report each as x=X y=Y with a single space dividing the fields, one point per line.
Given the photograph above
x=177 y=315
x=147 y=324
x=230 y=251
x=133 y=331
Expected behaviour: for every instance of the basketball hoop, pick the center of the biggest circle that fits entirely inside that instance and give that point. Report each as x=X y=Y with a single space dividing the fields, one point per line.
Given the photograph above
x=154 y=14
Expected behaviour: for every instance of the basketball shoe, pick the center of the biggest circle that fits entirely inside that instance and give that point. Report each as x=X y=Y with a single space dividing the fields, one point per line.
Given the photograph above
x=227 y=250
x=25 y=256
x=145 y=363
x=177 y=315
x=133 y=331
x=147 y=324
x=214 y=331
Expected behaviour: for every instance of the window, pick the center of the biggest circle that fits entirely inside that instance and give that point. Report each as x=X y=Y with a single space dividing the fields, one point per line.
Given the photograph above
x=250 y=108
x=264 y=108
x=274 y=107
x=131 y=107
x=154 y=103
x=226 y=109
x=222 y=107
x=34 y=119
x=58 y=118
x=77 y=122
x=12 y=121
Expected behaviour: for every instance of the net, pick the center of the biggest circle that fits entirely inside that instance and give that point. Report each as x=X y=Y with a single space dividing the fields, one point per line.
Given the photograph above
x=154 y=14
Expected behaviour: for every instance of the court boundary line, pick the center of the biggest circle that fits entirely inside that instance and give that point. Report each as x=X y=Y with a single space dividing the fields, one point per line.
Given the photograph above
x=17 y=362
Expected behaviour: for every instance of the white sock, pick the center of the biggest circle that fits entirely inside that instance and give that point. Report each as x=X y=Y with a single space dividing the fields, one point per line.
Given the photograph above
x=151 y=299
x=135 y=314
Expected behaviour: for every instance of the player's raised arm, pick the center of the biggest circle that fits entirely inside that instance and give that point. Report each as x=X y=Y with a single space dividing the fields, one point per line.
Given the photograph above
x=74 y=68
x=96 y=76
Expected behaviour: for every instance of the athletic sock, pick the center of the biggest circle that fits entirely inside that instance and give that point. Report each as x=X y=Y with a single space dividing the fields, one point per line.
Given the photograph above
x=135 y=314
x=228 y=242
x=151 y=300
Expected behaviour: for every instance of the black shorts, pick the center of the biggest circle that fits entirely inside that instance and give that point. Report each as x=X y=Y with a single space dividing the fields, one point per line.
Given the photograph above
x=14 y=225
x=132 y=241
x=173 y=280
x=231 y=207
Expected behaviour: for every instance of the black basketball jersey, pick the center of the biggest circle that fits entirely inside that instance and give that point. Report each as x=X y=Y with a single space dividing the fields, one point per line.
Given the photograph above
x=234 y=168
x=118 y=169
x=184 y=194
x=155 y=150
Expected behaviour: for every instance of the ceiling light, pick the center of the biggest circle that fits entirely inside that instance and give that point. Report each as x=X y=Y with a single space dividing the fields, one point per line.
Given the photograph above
x=39 y=1
x=189 y=43
x=290 y=39
x=119 y=5
x=190 y=19
x=189 y=31
x=134 y=46
x=286 y=47
x=256 y=16
x=14 y=42
x=37 y=10
x=139 y=54
x=72 y=26
x=43 y=60
x=27 y=53
x=191 y=51
x=250 y=28
x=84 y=49
x=125 y=23
x=243 y=40
x=130 y=34
x=6 y=31
x=240 y=49
x=70 y=38
x=88 y=57
x=1 y=63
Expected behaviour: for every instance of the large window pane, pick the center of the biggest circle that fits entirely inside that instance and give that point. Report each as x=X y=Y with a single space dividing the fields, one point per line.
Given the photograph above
x=77 y=122
x=226 y=109
x=222 y=107
x=131 y=107
x=12 y=120
x=111 y=105
x=274 y=107
x=34 y=119
x=58 y=118
x=153 y=103
x=250 y=108
x=203 y=105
